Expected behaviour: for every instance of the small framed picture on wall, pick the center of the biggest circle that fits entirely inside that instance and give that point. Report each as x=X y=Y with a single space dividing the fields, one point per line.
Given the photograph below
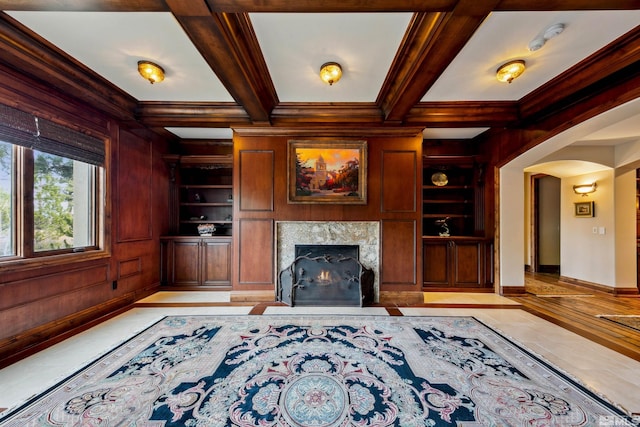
x=584 y=209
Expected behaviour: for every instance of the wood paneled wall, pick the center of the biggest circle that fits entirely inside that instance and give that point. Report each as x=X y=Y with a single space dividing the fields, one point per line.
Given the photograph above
x=44 y=299
x=394 y=171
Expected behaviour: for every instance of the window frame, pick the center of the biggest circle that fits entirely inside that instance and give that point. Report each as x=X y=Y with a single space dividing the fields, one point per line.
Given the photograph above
x=25 y=257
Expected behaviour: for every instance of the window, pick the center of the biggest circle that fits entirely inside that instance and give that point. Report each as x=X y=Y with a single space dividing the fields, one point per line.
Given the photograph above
x=63 y=214
x=51 y=193
x=7 y=200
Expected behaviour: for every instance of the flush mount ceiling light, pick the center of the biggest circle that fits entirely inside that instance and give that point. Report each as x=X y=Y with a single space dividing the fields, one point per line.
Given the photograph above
x=585 y=189
x=330 y=72
x=151 y=71
x=509 y=71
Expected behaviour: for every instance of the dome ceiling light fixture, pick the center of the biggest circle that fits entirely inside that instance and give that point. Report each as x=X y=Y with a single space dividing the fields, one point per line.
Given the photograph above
x=330 y=72
x=151 y=71
x=510 y=70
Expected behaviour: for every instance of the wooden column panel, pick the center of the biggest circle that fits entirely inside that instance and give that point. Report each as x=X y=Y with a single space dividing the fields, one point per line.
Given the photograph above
x=398 y=181
x=133 y=188
x=256 y=174
x=255 y=253
x=398 y=249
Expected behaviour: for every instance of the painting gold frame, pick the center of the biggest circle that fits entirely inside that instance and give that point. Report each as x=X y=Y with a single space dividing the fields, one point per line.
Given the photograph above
x=584 y=209
x=327 y=171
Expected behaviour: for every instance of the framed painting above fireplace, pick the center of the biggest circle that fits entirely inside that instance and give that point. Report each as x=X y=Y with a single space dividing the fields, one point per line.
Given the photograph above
x=327 y=171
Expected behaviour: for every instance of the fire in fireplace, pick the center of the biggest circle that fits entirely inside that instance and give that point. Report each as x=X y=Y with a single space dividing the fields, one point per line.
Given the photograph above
x=326 y=275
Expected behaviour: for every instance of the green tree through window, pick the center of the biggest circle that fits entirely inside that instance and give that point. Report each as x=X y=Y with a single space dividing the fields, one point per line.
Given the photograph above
x=6 y=200
x=53 y=202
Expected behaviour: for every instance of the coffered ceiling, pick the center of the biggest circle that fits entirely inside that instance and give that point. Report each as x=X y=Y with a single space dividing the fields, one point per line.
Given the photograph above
x=248 y=64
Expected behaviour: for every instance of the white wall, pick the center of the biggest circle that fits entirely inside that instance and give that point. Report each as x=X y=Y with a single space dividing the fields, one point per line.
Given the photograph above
x=608 y=259
x=586 y=255
x=511 y=220
x=625 y=234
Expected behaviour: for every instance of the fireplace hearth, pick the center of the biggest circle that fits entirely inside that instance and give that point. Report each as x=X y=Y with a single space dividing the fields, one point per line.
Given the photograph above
x=326 y=275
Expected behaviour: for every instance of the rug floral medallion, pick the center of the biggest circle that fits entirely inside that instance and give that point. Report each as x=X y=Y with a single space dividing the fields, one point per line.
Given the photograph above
x=318 y=371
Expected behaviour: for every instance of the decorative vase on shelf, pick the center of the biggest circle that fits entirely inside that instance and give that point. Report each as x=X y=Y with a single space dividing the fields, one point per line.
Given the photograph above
x=206 y=229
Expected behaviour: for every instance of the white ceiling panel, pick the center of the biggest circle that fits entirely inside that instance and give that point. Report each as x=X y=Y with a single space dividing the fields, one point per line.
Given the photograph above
x=112 y=43
x=505 y=36
x=295 y=45
x=201 y=133
x=452 y=133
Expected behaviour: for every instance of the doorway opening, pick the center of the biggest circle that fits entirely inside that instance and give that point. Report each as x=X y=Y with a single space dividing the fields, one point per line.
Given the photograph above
x=545 y=215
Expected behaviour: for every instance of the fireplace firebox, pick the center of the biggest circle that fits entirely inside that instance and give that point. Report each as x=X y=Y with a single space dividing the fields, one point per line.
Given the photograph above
x=326 y=275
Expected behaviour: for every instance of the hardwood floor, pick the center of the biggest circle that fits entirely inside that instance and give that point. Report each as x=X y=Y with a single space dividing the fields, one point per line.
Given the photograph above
x=579 y=313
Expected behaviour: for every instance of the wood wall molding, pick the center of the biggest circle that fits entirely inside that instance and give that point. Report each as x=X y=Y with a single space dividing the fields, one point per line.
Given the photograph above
x=620 y=291
x=512 y=291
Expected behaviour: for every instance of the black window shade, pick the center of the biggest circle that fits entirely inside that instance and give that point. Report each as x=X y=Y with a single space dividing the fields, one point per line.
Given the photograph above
x=27 y=130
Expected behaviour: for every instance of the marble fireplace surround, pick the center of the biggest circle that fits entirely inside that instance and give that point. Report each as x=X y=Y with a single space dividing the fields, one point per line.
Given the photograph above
x=365 y=234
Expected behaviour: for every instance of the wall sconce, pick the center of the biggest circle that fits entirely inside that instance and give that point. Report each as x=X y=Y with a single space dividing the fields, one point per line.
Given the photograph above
x=585 y=189
x=151 y=71
x=509 y=71
x=330 y=72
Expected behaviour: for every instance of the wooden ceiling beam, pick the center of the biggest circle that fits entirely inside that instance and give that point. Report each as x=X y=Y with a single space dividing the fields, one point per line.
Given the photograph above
x=334 y=6
x=314 y=6
x=464 y=114
x=86 y=5
x=327 y=131
x=554 y=5
x=431 y=43
x=300 y=113
x=198 y=114
x=229 y=45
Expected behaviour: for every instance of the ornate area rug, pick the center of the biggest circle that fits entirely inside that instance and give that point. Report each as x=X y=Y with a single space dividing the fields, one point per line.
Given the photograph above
x=630 y=321
x=318 y=371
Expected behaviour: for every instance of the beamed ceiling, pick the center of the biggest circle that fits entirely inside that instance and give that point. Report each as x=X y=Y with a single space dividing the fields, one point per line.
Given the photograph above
x=253 y=65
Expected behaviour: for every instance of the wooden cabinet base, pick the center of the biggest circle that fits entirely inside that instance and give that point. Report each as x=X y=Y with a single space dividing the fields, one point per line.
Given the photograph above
x=196 y=262
x=462 y=263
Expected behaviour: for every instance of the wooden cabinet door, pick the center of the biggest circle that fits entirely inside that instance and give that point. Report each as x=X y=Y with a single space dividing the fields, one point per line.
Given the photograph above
x=467 y=263
x=185 y=263
x=216 y=262
x=436 y=258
